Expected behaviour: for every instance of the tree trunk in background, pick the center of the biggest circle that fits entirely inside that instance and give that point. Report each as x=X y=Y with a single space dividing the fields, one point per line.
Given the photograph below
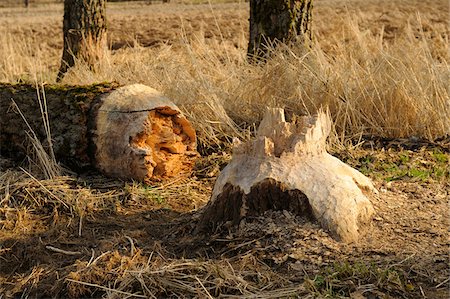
x=84 y=30
x=132 y=132
x=26 y=3
x=273 y=21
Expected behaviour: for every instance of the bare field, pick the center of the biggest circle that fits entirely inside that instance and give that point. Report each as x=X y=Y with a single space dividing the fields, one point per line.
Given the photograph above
x=381 y=67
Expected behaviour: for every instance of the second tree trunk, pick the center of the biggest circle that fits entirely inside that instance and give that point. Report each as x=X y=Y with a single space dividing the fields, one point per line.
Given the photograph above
x=84 y=30
x=273 y=21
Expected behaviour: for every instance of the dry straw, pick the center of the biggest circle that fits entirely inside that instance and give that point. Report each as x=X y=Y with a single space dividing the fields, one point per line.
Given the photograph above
x=373 y=83
x=155 y=276
x=44 y=158
x=395 y=90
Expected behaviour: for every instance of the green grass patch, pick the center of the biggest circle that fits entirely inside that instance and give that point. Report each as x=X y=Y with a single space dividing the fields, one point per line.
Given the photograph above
x=398 y=164
x=344 y=279
x=142 y=192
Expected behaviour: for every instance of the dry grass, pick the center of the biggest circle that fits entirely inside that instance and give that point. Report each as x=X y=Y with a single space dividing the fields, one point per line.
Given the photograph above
x=39 y=157
x=155 y=275
x=380 y=66
x=376 y=81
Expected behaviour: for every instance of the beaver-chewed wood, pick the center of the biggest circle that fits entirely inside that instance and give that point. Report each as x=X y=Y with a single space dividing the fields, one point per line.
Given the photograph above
x=287 y=168
x=131 y=132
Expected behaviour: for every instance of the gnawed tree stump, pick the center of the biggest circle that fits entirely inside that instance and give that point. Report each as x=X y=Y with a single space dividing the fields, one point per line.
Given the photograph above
x=131 y=132
x=287 y=168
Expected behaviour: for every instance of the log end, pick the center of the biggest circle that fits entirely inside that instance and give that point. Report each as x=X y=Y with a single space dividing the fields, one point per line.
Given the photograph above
x=143 y=135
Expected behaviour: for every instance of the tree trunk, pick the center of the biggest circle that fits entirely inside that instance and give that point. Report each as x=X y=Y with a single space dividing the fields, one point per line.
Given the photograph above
x=273 y=21
x=84 y=30
x=288 y=168
x=132 y=132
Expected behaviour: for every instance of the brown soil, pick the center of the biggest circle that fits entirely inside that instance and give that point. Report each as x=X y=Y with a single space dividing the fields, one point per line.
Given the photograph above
x=403 y=254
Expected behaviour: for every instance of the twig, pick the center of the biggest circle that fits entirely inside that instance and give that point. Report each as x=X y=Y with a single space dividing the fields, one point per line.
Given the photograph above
x=163 y=187
x=421 y=291
x=7 y=194
x=241 y=245
x=105 y=288
x=442 y=283
x=43 y=187
x=132 y=245
x=99 y=257
x=58 y=250
x=80 y=226
x=92 y=257
x=402 y=261
x=203 y=287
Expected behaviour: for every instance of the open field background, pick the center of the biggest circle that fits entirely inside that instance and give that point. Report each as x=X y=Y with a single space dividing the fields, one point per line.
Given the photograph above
x=372 y=62
x=380 y=66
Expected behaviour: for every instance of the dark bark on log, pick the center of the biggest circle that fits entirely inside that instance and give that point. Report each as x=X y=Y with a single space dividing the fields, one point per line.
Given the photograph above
x=84 y=29
x=273 y=21
x=129 y=132
x=263 y=196
x=70 y=119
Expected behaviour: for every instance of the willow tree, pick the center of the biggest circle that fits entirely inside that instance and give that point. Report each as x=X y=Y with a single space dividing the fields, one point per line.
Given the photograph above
x=274 y=21
x=84 y=30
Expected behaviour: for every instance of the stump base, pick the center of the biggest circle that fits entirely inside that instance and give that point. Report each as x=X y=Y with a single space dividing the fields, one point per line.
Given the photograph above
x=287 y=168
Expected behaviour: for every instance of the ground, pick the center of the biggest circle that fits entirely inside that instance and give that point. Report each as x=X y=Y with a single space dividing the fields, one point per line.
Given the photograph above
x=85 y=235
x=128 y=229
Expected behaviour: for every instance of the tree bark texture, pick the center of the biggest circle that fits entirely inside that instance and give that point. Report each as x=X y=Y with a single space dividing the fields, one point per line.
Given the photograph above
x=84 y=31
x=132 y=132
x=273 y=21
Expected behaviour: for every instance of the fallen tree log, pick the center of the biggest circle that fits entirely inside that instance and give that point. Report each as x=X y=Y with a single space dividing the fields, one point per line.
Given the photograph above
x=287 y=168
x=131 y=132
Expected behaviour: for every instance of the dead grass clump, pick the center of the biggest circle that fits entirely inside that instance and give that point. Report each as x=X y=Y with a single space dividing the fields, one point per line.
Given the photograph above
x=31 y=204
x=24 y=283
x=155 y=276
x=181 y=195
x=21 y=189
x=359 y=279
x=209 y=166
x=378 y=75
x=23 y=59
x=40 y=157
x=371 y=87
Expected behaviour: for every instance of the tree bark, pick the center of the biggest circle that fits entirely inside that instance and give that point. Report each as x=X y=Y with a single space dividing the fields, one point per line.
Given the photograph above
x=274 y=21
x=287 y=168
x=84 y=31
x=132 y=132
